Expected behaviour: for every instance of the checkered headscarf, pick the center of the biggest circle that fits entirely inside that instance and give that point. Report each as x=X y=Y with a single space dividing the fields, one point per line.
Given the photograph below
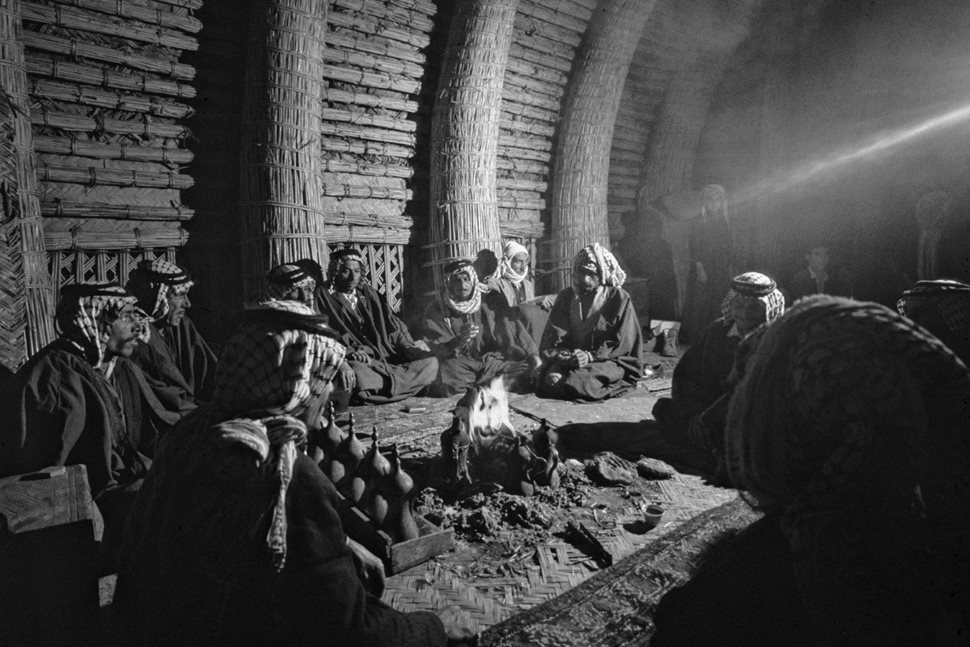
x=276 y=438
x=284 y=278
x=280 y=356
x=85 y=314
x=850 y=424
x=154 y=281
x=757 y=286
x=943 y=308
x=601 y=260
x=473 y=303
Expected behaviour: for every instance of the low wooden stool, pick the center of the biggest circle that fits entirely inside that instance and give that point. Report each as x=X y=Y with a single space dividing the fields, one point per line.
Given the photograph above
x=49 y=529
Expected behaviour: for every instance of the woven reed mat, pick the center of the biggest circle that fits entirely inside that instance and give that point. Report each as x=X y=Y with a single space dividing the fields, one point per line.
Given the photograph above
x=489 y=591
x=615 y=607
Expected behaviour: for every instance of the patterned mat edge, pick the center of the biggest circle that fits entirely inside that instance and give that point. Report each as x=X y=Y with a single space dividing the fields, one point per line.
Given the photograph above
x=698 y=534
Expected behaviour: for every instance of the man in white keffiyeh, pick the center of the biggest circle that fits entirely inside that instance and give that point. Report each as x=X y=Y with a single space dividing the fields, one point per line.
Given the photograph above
x=591 y=345
x=475 y=336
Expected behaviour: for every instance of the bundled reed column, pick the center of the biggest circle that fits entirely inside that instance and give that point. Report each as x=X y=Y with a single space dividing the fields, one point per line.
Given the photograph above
x=26 y=309
x=465 y=131
x=582 y=156
x=280 y=183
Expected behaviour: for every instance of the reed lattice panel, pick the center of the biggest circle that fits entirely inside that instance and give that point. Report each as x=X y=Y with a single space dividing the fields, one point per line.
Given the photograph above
x=385 y=269
x=93 y=266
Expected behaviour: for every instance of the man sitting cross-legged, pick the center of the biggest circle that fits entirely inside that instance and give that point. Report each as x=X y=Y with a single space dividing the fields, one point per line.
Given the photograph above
x=388 y=364
x=591 y=345
x=475 y=336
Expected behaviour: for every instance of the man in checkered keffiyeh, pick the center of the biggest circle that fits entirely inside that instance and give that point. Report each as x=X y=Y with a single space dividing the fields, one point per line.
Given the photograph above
x=943 y=308
x=292 y=282
x=693 y=417
x=236 y=539
x=176 y=359
x=78 y=401
x=591 y=344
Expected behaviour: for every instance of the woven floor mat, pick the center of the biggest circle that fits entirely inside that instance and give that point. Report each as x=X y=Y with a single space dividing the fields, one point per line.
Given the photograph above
x=615 y=607
x=489 y=592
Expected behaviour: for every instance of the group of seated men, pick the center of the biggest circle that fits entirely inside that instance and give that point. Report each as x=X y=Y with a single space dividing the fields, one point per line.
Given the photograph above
x=178 y=447
x=478 y=329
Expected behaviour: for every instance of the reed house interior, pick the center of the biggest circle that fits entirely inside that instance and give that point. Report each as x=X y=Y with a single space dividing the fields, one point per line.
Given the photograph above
x=495 y=322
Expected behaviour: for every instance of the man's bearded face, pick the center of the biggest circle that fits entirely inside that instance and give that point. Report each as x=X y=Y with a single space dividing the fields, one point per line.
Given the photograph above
x=460 y=286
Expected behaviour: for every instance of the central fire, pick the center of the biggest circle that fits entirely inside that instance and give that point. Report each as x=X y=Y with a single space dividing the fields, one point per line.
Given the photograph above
x=482 y=446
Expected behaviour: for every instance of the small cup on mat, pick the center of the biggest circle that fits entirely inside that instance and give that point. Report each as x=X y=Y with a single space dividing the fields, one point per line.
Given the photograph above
x=652 y=513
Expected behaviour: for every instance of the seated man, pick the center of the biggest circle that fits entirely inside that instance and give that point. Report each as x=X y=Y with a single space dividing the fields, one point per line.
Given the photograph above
x=388 y=365
x=235 y=538
x=175 y=356
x=848 y=431
x=292 y=282
x=591 y=346
x=69 y=405
x=690 y=415
x=512 y=281
x=943 y=308
x=817 y=278
x=475 y=337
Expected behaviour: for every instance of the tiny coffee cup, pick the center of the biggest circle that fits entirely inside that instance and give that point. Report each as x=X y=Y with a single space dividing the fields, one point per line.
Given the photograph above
x=652 y=513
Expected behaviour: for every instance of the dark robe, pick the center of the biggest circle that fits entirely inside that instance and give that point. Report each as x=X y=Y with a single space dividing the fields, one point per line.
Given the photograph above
x=612 y=336
x=503 y=347
x=397 y=369
x=187 y=352
x=804 y=284
x=161 y=371
x=63 y=411
x=196 y=570
x=699 y=383
x=745 y=593
x=522 y=299
x=710 y=245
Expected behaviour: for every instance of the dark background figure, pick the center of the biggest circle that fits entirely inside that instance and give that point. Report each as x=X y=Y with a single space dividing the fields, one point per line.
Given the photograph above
x=817 y=277
x=651 y=257
x=592 y=343
x=476 y=336
x=711 y=262
x=388 y=364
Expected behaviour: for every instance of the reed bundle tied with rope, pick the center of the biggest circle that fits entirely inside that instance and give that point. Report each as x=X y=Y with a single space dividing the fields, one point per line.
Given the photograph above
x=26 y=295
x=122 y=235
x=281 y=192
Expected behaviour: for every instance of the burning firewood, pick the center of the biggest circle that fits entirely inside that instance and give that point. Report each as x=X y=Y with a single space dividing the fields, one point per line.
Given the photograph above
x=481 y=445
